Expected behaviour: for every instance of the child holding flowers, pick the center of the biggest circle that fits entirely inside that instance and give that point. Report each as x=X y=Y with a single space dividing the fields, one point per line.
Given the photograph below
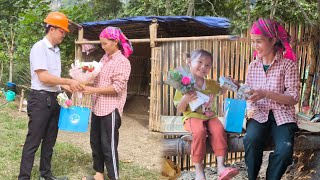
x=203 y=121
x=109 y=96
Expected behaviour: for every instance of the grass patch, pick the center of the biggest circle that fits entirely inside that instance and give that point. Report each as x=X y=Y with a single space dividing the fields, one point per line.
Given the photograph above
x=67 y=159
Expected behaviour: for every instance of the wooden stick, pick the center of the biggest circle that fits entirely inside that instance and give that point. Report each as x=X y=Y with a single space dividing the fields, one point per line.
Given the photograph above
x=78 y=25
x=21 y=100
x=133 y=41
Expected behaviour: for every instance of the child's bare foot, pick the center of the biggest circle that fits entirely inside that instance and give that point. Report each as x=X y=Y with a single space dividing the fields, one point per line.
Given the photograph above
x=98 y=176
x=220 y=169
x=199 y=171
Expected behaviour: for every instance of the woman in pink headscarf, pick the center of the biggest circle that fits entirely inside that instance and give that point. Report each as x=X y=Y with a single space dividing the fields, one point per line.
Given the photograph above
x=109 y=96
x=274 y=81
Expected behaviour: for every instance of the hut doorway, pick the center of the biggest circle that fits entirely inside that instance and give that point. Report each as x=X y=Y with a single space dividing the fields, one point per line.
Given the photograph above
x=139 y=82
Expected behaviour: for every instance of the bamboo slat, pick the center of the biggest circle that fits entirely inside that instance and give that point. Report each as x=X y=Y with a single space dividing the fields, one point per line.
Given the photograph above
x=215 y=60
x=153 y=93
x=232 y=64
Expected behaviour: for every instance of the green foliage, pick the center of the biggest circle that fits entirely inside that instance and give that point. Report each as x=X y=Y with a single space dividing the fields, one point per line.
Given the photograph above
x=106 y=9
x=238 y=11
x=288 y=10
x=31 y=29
x=155 y=8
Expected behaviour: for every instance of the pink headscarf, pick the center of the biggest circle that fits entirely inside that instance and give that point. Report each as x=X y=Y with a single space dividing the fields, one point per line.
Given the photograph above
x=272 y=29
x=115 y=33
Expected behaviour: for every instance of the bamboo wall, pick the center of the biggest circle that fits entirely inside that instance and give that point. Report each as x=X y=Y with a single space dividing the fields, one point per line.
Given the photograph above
x=316 y=91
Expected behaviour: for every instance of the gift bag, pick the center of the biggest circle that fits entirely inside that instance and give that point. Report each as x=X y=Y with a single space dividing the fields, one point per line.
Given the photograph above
x=234 y=113
x=74 y=118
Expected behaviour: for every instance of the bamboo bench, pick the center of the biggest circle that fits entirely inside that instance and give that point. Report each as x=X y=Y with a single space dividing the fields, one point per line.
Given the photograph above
x=177 y=141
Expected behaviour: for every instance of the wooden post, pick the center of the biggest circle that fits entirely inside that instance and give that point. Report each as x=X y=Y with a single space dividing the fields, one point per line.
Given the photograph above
x=153 y=84
x=21 y=100
x=78 y=51
x=153 y=32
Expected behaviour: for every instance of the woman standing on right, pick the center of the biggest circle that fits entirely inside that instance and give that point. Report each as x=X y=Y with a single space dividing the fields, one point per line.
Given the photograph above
x=274 y=79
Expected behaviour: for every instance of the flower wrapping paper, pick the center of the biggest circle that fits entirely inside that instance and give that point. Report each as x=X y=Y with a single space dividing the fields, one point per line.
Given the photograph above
x=85 y=72
x=182 y=80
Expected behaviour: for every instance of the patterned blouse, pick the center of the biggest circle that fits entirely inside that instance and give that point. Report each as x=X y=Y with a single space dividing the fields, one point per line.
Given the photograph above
x=115 y=71
x=282 y=76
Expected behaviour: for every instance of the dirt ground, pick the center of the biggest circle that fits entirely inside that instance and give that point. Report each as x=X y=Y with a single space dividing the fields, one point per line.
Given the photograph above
x=136 y=145
x=306 y=166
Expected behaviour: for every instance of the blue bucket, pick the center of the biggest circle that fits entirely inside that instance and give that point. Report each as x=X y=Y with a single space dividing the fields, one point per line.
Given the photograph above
x=234 y=114
x=11 y=86
x=74 y=119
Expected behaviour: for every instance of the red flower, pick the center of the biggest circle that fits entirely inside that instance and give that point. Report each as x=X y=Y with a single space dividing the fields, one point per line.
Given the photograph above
x=68 y=102
x=186 y=80
x=84 y=68
x=90 y=69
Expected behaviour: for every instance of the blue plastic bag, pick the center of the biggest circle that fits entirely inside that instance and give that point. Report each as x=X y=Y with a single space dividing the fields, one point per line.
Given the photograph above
x=234 y=113
x=75 y=119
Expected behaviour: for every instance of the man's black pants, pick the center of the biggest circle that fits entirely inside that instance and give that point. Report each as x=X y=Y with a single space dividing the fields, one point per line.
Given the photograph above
x=104 y=138
x=43 y=111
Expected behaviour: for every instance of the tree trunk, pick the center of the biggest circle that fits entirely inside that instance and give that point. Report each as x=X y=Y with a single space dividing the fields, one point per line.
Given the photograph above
x=180 y=147
x=249 y=13
x=273 y=9
x=168 y=9
x=190 y=8
x=11 y=65
x=1 y=71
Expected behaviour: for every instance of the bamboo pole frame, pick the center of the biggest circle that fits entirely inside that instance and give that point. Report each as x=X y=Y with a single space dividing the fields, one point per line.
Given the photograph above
x=152 y=40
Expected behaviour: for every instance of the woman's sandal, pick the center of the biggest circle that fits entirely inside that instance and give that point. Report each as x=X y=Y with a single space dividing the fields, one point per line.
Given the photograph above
x=228 y=173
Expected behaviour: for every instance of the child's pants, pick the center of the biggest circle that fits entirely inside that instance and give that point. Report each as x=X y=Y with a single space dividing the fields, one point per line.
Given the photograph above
x=200 y=129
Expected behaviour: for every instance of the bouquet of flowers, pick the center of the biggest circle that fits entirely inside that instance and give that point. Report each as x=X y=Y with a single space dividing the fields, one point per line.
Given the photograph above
x=182 y=80
x=63 y=100
x=85 y=72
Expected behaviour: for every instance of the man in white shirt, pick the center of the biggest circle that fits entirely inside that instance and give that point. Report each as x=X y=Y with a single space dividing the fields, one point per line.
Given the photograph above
x=43 y=108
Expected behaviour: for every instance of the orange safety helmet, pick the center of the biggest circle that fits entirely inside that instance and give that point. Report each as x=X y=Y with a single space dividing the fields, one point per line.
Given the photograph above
x=57 y=19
